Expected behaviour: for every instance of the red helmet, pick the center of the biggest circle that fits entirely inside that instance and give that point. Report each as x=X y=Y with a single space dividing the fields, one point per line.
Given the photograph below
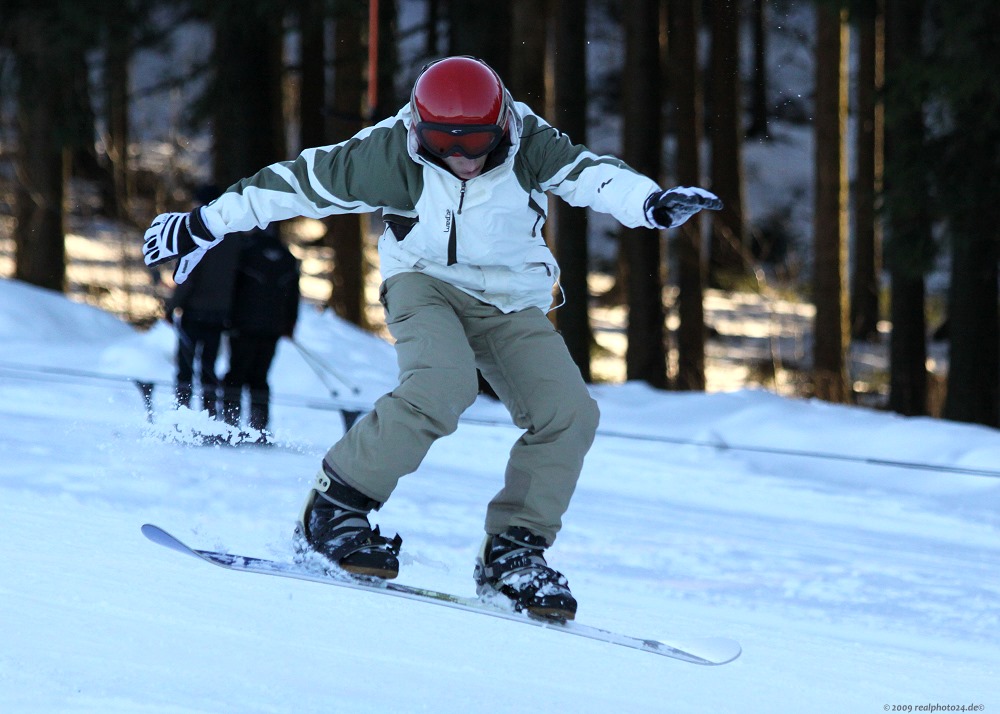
x=459 y=106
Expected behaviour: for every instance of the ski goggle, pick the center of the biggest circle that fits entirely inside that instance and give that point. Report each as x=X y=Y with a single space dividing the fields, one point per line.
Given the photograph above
x=470 y=141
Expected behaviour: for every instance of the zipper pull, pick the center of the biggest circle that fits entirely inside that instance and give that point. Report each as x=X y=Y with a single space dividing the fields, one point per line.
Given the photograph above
x=461 y=198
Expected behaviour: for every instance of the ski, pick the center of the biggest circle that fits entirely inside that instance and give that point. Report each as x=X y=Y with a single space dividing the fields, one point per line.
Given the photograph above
x=703 y=650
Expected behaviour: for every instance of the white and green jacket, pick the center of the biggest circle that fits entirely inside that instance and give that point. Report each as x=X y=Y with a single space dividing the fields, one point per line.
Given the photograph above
x=483 y=235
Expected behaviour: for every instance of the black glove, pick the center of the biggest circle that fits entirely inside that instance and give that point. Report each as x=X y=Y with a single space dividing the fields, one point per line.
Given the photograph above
x=178 y=236
x=671 y=208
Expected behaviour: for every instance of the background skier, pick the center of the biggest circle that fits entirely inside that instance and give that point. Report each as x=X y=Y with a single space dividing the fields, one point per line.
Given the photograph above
x=265 y=309
x=205 y=304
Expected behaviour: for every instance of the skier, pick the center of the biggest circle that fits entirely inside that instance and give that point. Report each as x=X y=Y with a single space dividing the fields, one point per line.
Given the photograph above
x=205 y=303
x=265 y=308
x=461 y=174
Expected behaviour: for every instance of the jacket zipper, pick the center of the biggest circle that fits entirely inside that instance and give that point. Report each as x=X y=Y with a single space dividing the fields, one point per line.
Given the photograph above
x=453 y=235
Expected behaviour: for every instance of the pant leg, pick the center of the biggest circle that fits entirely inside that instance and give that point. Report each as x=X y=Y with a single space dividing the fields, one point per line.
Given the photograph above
x=527 y=363
x=198 y=343
x=260 y=392
x=240 y=357
x=211 y=337
x=185 y=365
x=437 y=382
x=182 y=394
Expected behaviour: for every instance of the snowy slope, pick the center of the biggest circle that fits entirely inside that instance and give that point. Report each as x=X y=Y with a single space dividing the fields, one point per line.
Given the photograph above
x=852 y=586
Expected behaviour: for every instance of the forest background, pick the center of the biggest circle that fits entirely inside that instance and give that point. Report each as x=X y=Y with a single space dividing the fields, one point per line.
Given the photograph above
x=113 y=112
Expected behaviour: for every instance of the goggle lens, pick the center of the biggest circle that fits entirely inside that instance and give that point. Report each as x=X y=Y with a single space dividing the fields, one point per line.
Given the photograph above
x=444 y=140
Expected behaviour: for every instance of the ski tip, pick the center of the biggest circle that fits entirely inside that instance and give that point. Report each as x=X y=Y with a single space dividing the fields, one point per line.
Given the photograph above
x=152 y=532
x=161 y=537
x=734 y=651
x=713 y=650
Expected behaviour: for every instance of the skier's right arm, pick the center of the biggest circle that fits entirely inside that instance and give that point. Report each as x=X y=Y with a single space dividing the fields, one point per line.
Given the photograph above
x=359 y=175
x=368 y=171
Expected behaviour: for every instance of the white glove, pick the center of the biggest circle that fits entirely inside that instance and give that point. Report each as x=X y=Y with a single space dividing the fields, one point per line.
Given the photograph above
x=669 y=209
x=178 y=236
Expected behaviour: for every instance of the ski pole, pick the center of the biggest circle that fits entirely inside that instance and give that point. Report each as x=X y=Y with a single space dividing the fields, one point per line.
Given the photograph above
x=348 y=415
x=307 y=358
x=182 y=336
x=317 y=363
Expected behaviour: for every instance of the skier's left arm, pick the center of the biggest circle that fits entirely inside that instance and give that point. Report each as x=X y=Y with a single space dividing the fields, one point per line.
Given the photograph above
x=606 y=183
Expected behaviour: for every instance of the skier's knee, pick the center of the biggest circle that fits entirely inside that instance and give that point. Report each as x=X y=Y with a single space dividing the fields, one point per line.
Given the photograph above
x=440 y=397
x=575 y=413
x=587 y=417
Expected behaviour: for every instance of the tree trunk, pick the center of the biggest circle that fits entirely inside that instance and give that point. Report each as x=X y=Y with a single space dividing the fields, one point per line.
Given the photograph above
x=248 y=120
x=117 y=54
x=388 y=61
x=431 y=40
x=973 y=320
x=685 y=82
x=312 y=74
x=345 y=232
x=967 y=184
x=526 y=76
x=571 y=224
x=867 y=255
x=482 y=30
x=646 y=357
x=831 y=215
x=758 y=91
x=78 y=121
x=909 y=246
x=908 y=373
x=42 y=160
x=728 y=243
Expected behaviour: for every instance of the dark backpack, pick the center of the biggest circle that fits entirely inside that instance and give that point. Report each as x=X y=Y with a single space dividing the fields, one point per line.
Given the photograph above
x=266 y=295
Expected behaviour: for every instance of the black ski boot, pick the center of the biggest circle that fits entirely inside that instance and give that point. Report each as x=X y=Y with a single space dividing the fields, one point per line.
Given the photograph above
x=334 y=523
x=513 y=565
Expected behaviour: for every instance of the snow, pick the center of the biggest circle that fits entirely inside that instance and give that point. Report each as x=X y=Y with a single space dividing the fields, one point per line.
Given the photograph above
x=865 y=578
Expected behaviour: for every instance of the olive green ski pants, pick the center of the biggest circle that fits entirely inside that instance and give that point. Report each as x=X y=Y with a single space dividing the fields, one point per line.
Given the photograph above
x=442 y=335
